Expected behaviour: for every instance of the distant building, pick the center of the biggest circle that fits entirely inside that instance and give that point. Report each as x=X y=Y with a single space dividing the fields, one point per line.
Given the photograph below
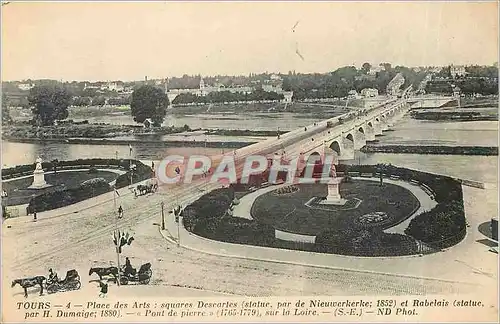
x=288 y=96
x=25 y=86
x=113 y=86
x=457 y=71
x=369 y=92
x=205 y=89
x=275 y=77
x=394 y=87
x=375 y=69
x=353 y=94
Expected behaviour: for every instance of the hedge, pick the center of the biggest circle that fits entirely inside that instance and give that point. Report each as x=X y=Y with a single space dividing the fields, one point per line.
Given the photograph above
x=64 y=197
x=142 y=172
x=27 y=169
x=365 y=242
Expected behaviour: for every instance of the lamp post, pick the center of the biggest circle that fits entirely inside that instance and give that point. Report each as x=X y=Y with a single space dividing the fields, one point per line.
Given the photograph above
x=4 y=202
x=116 y=232
x=34 y=206
x=132 y=170
x=162 y=216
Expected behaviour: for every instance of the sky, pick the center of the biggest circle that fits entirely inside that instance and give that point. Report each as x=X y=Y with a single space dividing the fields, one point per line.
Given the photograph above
x=131 y=40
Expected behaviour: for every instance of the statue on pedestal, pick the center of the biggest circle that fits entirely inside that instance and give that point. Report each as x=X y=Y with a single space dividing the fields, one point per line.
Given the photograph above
x=39 y=176
x=333 y=197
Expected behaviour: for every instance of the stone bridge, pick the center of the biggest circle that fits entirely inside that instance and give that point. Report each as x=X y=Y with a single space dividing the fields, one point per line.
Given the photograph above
x=339 y=136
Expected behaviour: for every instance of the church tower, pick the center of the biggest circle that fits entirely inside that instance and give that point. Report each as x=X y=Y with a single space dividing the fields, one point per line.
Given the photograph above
x=203 y=91
x=202 y=84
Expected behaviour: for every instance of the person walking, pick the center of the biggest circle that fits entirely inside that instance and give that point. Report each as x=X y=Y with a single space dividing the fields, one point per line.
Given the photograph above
x=103 y=285
x=120 y=212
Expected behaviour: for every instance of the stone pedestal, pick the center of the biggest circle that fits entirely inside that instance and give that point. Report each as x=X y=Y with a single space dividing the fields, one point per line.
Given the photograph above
x=334 y=197
x=39 y=180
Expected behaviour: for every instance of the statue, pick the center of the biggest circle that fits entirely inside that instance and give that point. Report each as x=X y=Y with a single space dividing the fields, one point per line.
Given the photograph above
x=39 y=176
x=333 y=171
x=38 y=164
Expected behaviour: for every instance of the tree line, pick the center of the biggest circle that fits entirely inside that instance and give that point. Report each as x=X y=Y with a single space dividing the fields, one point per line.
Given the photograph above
x=339 y=82
x=227 y=96
x=50 y=103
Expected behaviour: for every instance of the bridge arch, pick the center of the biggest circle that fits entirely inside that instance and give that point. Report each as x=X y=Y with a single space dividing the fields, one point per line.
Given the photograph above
x=336 y=147
x=313 y=158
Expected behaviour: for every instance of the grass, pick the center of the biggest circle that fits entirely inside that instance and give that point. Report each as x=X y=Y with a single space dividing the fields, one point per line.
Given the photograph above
x=18 y=192
x=289 y=213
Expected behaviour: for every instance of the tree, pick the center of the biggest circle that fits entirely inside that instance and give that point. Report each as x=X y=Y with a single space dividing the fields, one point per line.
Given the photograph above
x=366 y=67
x=5 y=110
x=149 y=102
x=49 y=103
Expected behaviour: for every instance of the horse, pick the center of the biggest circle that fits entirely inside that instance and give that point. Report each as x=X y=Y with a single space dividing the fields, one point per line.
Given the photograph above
x=105 y=272
x=30 y=282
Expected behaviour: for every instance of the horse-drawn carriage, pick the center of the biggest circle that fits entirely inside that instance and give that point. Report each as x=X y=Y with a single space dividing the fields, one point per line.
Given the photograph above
x=142 y=277
x=70 y=282
x=144 y=189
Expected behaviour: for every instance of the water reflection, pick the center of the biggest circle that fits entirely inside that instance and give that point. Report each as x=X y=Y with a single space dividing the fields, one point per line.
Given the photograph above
x=26 y=153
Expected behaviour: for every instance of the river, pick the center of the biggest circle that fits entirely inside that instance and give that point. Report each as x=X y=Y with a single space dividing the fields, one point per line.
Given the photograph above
x=407 y=131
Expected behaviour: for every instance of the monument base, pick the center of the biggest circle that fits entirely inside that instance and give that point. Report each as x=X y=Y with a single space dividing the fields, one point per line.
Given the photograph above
x=39 y=180
x=333 y=197
x=336 y=201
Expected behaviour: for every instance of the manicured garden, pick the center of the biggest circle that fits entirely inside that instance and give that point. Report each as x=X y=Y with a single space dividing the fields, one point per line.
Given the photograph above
x=289 y=212
x=88 y=184
x=19 y=193
x=359 y=234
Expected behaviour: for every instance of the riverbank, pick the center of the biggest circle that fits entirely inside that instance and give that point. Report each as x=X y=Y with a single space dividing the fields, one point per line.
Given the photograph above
x=111 y=141
x=431 y=149
x=102 y=130
x=454 y=116
x=479 y=112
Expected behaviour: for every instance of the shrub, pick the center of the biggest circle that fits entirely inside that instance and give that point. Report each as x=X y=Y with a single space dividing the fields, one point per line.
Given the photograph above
x=64 y=197
x=27 y=169
x=142 y=172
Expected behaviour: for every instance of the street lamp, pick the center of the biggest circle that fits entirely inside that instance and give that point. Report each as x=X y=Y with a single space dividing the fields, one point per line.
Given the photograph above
x=4 y=202
x=116 y=231
x=132 y=170
x=162 y=216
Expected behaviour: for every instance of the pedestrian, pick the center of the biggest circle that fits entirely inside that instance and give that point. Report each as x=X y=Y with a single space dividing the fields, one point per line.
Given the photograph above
x=103 y=285
x=120 y=212
x=34 y=216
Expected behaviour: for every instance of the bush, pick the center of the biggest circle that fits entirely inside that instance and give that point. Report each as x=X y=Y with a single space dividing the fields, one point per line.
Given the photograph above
x=365 y=242
x=142 y=172
x=27 y=169
x=64 y=197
